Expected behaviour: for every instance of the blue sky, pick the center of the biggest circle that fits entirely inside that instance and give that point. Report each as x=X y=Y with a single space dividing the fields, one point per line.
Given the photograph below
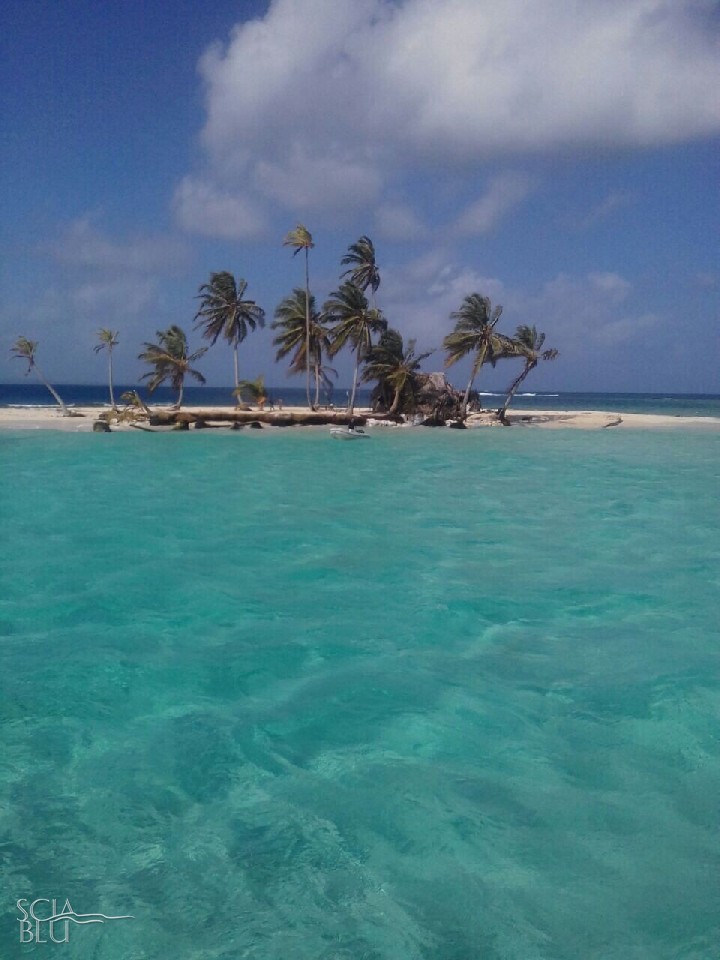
x=560 y=157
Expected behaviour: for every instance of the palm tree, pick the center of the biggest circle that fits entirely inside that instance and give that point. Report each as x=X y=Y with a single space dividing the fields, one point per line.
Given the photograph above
x=223 y=311
x=395 y=369
x=108 y=341
x=528 y=344
x=363 y=270
x=475 y=332
x=301 y=239
x=252 y=391
x=291 y=317
x=25 y=349
x=354 y=323
x=170 y=359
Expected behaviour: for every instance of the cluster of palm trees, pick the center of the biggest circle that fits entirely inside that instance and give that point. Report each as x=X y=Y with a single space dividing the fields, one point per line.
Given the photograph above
x=310 y=337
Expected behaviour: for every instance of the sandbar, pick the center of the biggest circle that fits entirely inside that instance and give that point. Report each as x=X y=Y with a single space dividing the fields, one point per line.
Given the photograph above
x=47 y=418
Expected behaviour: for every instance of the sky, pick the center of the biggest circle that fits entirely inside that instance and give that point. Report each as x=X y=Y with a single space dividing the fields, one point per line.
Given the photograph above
x=558 y=156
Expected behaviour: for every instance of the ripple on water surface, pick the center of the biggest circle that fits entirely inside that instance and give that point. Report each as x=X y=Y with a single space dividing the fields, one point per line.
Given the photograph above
x=448 y=695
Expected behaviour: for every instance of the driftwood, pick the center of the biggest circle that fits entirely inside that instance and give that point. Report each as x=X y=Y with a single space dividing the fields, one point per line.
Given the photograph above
x=208 y=417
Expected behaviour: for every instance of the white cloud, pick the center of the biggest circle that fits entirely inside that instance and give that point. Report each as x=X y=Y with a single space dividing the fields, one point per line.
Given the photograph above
x=121 y=298
x=100 y=280
x=321 y=95
x=326 y=183
x=588 y=315
x=201 y=207
x=398 y=221
x=614 y=200
x=82 y=244
x=504 y=193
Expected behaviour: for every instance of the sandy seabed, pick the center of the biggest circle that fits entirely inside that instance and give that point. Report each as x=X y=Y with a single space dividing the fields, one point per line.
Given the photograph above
x=28 y=418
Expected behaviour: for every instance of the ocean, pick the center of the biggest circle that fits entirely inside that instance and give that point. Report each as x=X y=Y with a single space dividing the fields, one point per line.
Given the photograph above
x=440 y=695
x=31 y=393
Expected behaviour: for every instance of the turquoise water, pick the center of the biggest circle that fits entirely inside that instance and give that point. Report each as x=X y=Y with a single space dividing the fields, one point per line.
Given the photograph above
x=443 y=695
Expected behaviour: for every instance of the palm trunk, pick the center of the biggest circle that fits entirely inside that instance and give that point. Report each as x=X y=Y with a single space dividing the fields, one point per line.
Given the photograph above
x=317 y=383
x=110 y=378
x=479 y=360
x=58 y=399
x=236 y=368
x=355 y=380
x=307 y=327
x=396 y=399
x=529 y=365
x=181 y=390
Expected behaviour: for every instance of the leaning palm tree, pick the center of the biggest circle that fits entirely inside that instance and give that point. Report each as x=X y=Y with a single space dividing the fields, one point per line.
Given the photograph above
x=291 y=317
x=25 y=349
x=223 y=311
x=108 y=341
x=301 y=239
x=395 y=369
x=252 y=391
x=363 y=270
x=352 y=322
x=474 y=332
x=528 y=343
x=169 y=357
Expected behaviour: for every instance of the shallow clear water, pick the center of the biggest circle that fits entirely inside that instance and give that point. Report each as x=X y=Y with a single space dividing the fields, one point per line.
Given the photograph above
x=448 y=695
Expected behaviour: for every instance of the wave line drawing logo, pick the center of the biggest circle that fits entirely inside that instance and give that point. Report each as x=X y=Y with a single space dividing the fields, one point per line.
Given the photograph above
x=32 y=924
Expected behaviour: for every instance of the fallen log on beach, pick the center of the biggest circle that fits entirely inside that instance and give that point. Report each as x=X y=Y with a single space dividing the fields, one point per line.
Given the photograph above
x=275 y=418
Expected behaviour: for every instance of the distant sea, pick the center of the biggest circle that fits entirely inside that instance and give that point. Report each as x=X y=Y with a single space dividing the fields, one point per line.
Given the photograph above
x=439 y=695
x=685 y=404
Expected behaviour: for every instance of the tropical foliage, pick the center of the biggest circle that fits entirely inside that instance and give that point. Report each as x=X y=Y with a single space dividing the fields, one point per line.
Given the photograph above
x=395 y=368
x=310 y=338
x=24 y=349
x=225 y=312
x=252 y=391
x=474 y=333
x=301 y=239
x=307 y=351
x=529 y=344
x=108 y=340
x=363 y=271
x=170 y=361
x=352 y=323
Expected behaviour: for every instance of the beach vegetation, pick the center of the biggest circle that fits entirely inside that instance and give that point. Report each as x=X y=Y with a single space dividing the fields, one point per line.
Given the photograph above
x=24 y=349
x=362 y=269
x=252 y=391
x=474 y=334
x=171 y=362
x=306 y=342
x=224 y=311
x=527 y=343
x=301 y=239
x=108 y=340
x=352 y=323
x=396 y=369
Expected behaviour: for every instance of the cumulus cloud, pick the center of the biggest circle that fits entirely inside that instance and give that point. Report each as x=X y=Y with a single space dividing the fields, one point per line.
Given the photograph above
x=591 y=314
x=325 y=93
x=305 y=182
x=613 y=201
x=398 y=221
x=504 y=193
x=82 y=244
x=95 y=279
x=202 y=207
